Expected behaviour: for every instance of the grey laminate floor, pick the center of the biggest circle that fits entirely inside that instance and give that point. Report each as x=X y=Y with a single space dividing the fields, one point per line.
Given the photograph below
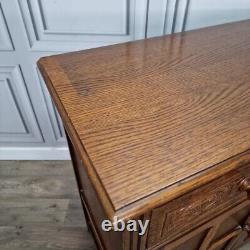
x=40 y=207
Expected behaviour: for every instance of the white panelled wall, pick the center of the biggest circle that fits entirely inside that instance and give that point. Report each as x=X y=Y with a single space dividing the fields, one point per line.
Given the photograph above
x=30 y=127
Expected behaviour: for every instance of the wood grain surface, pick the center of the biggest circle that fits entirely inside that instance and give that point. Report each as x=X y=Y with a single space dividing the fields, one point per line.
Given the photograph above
x=150 y=114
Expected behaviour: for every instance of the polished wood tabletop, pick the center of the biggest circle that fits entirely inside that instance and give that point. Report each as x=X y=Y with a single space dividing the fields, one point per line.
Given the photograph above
x=156 y=117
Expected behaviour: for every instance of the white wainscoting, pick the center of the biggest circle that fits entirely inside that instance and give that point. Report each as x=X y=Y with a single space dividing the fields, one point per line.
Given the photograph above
x=30 y=127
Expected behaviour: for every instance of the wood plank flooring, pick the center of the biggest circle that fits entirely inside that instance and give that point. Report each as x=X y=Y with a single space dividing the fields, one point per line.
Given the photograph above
x=40 y=207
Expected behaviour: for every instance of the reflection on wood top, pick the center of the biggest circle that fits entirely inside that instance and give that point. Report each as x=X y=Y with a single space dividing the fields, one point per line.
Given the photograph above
x=153 y=114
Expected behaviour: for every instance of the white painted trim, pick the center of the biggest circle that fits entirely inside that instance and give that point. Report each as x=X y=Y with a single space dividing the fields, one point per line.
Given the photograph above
x=34 y=153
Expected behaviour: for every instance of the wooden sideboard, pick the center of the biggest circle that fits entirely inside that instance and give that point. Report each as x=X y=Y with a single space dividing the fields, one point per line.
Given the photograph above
x=159 y=130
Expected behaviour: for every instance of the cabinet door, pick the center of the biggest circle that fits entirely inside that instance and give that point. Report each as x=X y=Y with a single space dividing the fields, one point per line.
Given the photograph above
x=233 y=231
x=193 y=243
x=228 y=231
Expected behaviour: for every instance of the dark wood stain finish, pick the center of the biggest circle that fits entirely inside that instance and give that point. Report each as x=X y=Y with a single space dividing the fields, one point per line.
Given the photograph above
x=194 y=208
x=158 y=119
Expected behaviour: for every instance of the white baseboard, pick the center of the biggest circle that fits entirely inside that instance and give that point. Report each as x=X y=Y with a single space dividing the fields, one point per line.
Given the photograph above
x=34 y=153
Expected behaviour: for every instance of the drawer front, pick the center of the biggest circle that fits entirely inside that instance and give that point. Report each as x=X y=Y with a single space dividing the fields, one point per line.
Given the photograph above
x=187 y=212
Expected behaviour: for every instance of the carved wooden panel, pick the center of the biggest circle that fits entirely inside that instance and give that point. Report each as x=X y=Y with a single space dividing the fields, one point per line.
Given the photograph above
x=233 y=231
x=191 y=210
x=192 y=244
x=226 y=231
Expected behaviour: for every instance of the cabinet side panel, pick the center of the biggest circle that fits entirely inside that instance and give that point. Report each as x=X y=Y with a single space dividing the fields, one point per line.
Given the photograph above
x=93 y=210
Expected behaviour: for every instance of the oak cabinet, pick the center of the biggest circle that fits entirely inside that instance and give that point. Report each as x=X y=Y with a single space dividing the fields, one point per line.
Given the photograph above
x=159 y=130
